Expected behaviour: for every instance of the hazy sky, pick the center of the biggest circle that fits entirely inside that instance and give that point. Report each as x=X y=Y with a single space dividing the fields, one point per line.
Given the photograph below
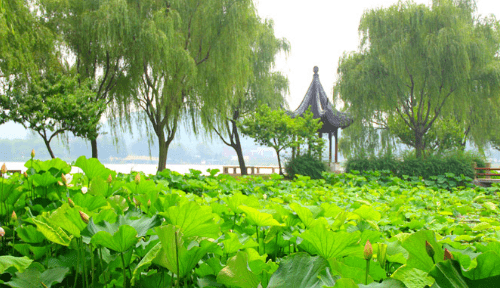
x=319 y=32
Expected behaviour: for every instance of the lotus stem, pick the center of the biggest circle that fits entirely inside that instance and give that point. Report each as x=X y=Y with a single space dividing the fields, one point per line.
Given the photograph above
x=367 y=271
x=177 y=258
x=123 y=270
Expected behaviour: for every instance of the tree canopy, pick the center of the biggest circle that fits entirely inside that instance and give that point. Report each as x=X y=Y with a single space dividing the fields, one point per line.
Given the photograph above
x=189 y=57
x=419 y=65
x=264 y=86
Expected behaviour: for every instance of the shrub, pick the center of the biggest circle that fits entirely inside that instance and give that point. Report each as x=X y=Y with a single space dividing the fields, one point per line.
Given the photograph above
x=305 y=165
x=457 y=162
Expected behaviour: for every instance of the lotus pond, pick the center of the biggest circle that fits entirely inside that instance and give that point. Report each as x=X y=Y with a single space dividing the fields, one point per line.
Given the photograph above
x=103 y=229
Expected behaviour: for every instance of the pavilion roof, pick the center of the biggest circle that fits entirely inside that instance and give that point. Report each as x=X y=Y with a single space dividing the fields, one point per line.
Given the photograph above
x=322 y=108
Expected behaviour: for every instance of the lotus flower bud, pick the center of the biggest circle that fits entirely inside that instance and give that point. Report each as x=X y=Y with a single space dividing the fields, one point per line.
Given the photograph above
x=2 y=232
x=429 y=249
x=13 y=216
x=60 y=183
x=33 y=153
x=368 y=251
x=149 y=203
x=264 y=196
x=84 y=190
x=447 y=254
x=84 y=217
x=137 y=203
x=137 y=178
x=4 y=169
x=25 y=174
x=110 y=178
x=63 y=178
x=382 y=254
x=71 y=203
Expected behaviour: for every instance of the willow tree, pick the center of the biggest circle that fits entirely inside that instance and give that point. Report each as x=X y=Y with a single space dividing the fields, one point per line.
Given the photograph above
x=98 y=35
x=264 y=86
x=420 y=64
x=188 y=56
x=25 y=43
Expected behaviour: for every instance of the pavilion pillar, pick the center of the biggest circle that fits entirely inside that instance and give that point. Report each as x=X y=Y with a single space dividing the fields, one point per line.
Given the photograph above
x=330 y=147
x=336 y=146
x=320 y=152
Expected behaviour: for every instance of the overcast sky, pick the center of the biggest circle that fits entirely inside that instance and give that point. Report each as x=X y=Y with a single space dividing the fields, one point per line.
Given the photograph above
x=320 y=31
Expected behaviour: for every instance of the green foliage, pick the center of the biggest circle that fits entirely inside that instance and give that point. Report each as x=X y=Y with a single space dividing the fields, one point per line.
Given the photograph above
x=213 y=230
x=52 y=105
x=438 y=65
x=457 y=163
x=305 y=165
x=270 y=128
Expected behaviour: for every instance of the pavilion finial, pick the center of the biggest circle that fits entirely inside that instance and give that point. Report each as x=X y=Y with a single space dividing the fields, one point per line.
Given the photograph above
x=316 y=69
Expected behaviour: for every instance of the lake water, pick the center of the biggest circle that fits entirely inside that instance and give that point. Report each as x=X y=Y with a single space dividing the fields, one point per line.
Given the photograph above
x=127 y=168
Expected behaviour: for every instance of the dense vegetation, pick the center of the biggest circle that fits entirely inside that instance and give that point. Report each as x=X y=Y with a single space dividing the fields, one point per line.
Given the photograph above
x=101 y=229
x=458 y=163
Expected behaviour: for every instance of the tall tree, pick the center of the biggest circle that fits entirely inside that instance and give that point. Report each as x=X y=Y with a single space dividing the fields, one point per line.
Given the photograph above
x=51 y=105
x=98 y=34
x=264 y=86
x=189 y=55
x=421 y=64
x=272 y=128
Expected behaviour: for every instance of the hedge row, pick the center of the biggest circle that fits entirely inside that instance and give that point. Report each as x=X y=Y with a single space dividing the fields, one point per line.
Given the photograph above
x=457 y=163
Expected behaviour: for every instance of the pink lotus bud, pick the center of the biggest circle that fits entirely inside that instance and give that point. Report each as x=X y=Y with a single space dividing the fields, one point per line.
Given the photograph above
x=25 y=174
x=368 y=251
x=14 y=216
x=33 y=153
x=4 y=169
x=84 y=217
x=429 y=249
x=447 y=254
x=137 y=178
x=149 y=203
x=110 y=178
x=71 y=203
x=64 y=179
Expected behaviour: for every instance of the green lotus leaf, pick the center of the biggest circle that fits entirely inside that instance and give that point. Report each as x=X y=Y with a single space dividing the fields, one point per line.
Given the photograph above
x=413 y=277
x=415 y=245
x=302 y=270
x=45 y=180
x=33 y=277
x=52 y=232
x=121 y=241
x=259 y=218
x=488 y=265
x=368 y=213
x=20 y=263
x=29 y=234
x=305 y=215
x=330 y=244
x=175 y=256
x=237 y=273
x=93 y=168
x=193 y=220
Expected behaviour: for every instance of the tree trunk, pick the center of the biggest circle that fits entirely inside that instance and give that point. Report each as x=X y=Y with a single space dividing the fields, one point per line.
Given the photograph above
x=279 y=162
x=237 y=148
x=93 y=143
x=162 y=159
x=419 y=144
x=47 y=144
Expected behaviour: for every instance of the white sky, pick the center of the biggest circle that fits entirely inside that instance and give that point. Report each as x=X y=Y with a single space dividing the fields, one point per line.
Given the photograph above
x=320 y=31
